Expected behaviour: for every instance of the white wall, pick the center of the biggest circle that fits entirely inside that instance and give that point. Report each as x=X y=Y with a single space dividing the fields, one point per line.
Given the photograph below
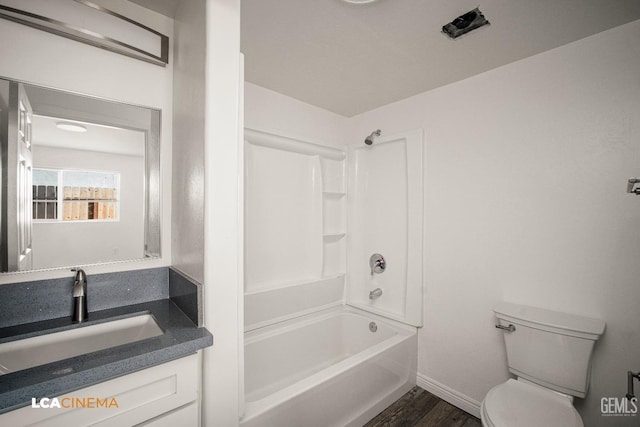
x=91 y=242
x=273 y=112
x=49 y=60
x=187 y=208
x=223 y=215
x=525 y=176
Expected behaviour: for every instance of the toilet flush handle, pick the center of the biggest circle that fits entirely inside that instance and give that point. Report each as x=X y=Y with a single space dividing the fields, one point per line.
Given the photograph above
x=509 y=328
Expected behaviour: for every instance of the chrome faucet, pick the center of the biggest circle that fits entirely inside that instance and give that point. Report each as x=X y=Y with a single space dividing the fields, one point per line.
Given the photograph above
x=79 y=296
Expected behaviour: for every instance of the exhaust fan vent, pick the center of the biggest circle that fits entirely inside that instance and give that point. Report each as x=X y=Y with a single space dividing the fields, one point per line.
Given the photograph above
x=465 y=23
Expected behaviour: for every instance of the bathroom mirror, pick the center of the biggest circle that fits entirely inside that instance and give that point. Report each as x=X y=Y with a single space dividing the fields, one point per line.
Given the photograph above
x=80 y=179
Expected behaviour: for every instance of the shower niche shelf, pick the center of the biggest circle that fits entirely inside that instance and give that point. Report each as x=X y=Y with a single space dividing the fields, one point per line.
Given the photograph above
x=334 y=194
x=334 y=213
x=333 y=236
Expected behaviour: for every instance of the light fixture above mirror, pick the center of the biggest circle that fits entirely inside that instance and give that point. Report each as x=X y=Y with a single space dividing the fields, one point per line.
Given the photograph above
x=106 y=29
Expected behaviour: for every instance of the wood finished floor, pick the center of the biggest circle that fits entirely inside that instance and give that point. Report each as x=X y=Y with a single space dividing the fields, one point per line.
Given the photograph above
x=419 y=408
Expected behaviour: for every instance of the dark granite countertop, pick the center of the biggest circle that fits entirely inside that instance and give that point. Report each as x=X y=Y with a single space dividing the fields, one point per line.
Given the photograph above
x=181 y=338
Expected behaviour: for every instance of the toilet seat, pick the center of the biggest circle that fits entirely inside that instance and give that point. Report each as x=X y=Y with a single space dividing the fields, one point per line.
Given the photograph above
x=518 y=404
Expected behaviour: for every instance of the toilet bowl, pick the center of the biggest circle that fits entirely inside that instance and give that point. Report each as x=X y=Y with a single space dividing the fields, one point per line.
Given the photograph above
x=550 y=354
x=521 y=404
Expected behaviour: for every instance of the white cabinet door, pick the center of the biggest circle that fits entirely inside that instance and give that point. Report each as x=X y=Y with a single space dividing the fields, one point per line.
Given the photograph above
x=185 y=416
x=139 y=397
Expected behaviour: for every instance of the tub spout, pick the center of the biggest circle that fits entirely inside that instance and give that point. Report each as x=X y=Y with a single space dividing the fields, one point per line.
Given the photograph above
x=376 y=293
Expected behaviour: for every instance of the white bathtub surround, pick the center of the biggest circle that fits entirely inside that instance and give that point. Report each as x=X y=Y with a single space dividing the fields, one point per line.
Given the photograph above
x=295 y=227
x=326 y=369
x=312 y=223
x=385 y=217
x=298 y=234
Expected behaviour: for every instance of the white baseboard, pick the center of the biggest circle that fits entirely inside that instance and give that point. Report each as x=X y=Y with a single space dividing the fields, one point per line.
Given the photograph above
x=454 y=397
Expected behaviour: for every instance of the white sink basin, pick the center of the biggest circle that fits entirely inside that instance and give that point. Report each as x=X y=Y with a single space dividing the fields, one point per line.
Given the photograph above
x=35 y=351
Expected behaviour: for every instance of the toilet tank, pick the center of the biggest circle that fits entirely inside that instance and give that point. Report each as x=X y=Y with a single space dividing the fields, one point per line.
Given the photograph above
x=550 y=348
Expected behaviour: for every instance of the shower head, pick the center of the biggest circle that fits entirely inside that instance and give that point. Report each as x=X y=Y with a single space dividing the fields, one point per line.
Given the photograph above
x=369 y=140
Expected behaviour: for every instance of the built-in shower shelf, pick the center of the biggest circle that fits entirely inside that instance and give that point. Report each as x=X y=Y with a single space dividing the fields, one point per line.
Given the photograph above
x=333 y=276
x=256 y=288
x=333 y=194
x=333 y=236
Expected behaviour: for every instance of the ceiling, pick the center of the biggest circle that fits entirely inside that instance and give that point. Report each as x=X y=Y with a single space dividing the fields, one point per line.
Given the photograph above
x=350 y=59
x=104 y=139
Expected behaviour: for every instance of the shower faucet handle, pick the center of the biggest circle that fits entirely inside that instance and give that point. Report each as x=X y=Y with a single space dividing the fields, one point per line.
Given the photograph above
x=377 y=263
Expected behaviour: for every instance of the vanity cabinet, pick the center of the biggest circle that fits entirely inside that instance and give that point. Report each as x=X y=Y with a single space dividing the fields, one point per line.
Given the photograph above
x=163 y=395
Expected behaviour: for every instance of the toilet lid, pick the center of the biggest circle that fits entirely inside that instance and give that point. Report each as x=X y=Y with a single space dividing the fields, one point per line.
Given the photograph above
x=518 y=404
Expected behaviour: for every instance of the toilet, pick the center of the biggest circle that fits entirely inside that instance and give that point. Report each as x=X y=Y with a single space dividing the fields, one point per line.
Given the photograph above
x=550 y=354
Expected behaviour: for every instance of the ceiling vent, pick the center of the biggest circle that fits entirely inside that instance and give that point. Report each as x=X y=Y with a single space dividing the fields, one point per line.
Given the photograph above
x=465 y=23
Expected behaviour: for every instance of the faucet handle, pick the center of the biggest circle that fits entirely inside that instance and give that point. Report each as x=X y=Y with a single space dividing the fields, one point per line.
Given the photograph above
x=80 y=282
x=377 y=264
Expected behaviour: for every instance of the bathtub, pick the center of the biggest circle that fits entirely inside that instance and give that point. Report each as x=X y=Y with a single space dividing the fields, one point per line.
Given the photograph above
x=331 y=368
